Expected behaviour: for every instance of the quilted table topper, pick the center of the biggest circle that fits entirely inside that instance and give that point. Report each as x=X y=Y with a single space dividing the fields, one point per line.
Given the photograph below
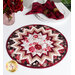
x=37 y=46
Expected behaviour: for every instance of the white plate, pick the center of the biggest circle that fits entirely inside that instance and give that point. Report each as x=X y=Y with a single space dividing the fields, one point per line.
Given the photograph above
x=63 y=9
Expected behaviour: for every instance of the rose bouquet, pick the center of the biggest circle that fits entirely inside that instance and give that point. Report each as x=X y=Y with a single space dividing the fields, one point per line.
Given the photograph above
x=9 y=8
x=12 y=6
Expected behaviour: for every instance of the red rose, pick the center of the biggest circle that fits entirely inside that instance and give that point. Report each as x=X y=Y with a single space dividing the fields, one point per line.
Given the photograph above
x=4 y=5
x=32 y=49
x=12 y=6
x=35 y=36
x=37 y=46
x=15 y=5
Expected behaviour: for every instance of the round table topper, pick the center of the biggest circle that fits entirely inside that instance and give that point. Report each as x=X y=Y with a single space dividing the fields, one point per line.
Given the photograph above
x=37 y=46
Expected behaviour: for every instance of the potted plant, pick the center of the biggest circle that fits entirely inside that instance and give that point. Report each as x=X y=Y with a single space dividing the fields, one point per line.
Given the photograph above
x=10 y=7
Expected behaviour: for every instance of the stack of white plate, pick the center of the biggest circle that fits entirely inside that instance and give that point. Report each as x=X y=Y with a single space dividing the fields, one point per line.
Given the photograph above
x=62 y=8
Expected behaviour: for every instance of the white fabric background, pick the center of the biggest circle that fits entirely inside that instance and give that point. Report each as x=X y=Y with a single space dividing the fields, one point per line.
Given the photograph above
x=62 y=68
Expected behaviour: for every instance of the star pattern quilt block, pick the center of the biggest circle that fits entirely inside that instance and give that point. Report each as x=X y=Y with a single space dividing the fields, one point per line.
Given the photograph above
x=37 y=46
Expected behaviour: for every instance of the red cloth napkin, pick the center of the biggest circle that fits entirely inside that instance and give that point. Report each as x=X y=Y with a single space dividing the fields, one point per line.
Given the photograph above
x=49 y=9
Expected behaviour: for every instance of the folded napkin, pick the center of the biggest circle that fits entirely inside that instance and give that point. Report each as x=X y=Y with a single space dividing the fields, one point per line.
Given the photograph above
x=49 y=9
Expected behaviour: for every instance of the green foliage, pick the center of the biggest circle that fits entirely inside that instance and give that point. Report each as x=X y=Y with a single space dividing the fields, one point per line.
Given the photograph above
x=67 y=3
x=4 y=11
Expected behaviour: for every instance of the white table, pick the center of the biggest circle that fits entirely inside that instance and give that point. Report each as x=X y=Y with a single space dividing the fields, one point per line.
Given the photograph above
x=62 y=68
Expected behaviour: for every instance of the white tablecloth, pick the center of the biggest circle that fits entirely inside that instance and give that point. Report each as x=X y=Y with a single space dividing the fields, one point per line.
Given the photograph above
x=62 y=68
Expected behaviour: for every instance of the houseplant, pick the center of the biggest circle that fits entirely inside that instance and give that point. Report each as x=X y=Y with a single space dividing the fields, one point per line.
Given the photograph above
x=10 y=7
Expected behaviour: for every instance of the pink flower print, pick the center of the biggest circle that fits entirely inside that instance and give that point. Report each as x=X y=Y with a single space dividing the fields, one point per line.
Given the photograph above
x=30 y=27
x=44 y=40
x=25 y=38
x=38 y=47
x=35 y=43
x=32 y=49
x=27 y=41
x=49 y=49
x=45 y=49
x=47 y=28
x=30 y=44
x=17 y=57
x=11 y=51
x=47 y=38
x=35 y=36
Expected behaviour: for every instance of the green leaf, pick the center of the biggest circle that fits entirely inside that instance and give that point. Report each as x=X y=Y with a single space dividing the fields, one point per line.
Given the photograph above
x=4 y=11
x=67 y=3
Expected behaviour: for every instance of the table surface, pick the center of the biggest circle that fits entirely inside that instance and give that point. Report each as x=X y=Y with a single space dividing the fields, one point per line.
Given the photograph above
x=62 y=68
